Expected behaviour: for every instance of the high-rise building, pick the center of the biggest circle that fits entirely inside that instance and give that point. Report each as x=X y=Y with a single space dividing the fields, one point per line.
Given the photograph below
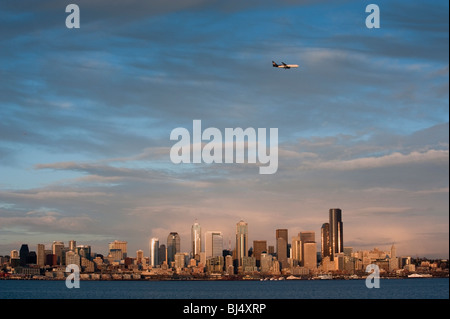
x=296 y=249
x=173 y=246
x=336 y=232
x=213 y=244
x=259 y=246
x=196 y=240
x=73 y=258
x=325 y=240
x=266 y=262
x=241 y=241
x=84 y=251
x=139 y=256
x=57 y=249
x=306 y=237
x=162 y=254
x=41 y=255
x=310 y=255
x=154 y=252
x=122 y=245
x=72 y=245
x=281 y=237
x=14 y=254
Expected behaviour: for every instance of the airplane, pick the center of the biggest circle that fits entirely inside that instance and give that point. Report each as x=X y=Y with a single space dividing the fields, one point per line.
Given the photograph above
x=284 y=65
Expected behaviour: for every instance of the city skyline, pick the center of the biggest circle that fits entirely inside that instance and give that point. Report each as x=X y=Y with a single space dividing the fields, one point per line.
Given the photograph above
x=208 y=239
x=86 y=116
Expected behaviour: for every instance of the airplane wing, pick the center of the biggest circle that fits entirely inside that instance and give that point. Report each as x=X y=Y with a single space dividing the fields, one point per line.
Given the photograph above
x=284 y=63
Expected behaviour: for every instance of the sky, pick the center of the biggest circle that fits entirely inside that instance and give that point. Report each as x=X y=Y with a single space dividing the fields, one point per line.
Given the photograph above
x=86 y=115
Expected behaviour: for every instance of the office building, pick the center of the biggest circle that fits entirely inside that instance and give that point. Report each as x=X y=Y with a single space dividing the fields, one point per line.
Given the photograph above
x=84 y=251
x=296 y=249
x=23 y=254
x=336 y=232
x=57 y=250
x=196 y=241
x=173 y=246
x=281 y=237
x=325 y=247
x=310 y=255
x=139 y=256
x=122 y=245
x=241 y=241
x=40 y=255
x=213 y=244
x=259 y=247
x=154 y=252
x=72 y=245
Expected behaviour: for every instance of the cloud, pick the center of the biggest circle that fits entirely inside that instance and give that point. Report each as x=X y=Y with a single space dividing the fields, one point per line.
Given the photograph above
x=394 y=159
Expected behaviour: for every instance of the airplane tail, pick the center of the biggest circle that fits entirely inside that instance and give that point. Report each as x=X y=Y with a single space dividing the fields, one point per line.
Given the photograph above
x=274 y=64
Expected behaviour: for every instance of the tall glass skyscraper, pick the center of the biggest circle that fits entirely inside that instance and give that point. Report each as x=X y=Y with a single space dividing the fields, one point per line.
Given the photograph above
x=241 y=241
x=173 y=246
x=196 y=240
x=213 y=244
x=325 y=240
x=281 y=237
x=154 y=252
x=336 y=232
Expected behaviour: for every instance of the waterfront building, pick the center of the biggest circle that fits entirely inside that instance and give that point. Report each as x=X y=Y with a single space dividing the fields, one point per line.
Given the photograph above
x=215 y=264
x=241 y=241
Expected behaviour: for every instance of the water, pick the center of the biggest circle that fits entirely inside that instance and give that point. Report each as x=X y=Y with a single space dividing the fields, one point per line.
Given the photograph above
x=423 y=288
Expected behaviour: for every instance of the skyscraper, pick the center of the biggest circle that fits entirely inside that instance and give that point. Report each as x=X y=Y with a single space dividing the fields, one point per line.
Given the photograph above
x=24 y=252
x=336 y=232
x=122 y=245
x=41 y=255
x=325 y=240
x=213 y=244
x=241 y=241
x=57 y=249
x=173 y=246
x=310 y=255
x=307 y=237
x=196 y=240
x=281 y=237
x=154 y=252
x=296 y=248
x=259 y=246
x=72 y=245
